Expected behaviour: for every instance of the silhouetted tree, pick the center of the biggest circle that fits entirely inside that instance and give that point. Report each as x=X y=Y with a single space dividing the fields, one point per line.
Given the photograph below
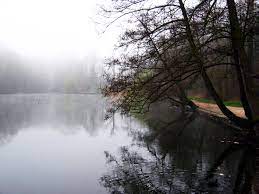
x=168 y=44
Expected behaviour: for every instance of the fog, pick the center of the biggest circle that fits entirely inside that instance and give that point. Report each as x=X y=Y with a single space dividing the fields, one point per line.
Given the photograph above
x=51 y=46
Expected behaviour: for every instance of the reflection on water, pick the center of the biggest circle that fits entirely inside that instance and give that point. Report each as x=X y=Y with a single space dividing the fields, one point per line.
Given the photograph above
x=58 y=111
x=54 y=144
x=61 y=144
x=182 y=156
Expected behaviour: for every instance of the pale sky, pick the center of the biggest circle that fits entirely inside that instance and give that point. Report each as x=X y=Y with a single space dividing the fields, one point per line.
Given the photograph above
x=51 y=29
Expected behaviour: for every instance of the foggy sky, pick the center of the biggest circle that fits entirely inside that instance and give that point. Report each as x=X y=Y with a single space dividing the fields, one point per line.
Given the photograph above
x=52 y=31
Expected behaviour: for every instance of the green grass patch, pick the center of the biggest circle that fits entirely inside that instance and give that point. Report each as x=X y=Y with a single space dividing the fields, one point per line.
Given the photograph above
x=227 y=103
x=233 y=103
x=204 y=100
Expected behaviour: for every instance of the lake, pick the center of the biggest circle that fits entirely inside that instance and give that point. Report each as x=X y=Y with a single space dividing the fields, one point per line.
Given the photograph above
x=61 y=144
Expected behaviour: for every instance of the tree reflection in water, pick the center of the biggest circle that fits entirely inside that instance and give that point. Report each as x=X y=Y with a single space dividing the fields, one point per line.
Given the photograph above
x=67 y=113
x=187 y=157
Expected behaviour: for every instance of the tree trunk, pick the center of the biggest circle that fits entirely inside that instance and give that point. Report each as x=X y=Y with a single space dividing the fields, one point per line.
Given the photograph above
x=240 y=57
x=243 y=123
x=253 y=69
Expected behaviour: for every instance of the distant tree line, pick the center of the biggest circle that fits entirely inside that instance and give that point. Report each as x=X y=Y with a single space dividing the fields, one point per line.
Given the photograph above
x=17 y=76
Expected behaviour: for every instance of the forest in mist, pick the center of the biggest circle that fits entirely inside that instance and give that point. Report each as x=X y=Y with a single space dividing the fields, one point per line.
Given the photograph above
x=20 y=74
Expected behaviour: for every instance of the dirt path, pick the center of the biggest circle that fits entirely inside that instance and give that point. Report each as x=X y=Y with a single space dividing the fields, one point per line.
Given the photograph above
x=213 y=109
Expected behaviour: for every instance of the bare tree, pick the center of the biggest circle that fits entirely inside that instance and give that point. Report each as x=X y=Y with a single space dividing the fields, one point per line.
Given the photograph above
x=170 y=43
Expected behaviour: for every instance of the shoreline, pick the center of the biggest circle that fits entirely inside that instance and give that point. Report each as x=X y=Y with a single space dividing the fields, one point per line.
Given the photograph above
x=214 y=109
x=212 y=112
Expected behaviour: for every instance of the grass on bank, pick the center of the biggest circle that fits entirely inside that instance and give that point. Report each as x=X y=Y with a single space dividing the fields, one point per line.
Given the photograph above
x=227 y=103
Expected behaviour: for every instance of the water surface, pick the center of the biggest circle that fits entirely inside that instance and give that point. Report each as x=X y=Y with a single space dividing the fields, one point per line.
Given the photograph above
x=61 y=144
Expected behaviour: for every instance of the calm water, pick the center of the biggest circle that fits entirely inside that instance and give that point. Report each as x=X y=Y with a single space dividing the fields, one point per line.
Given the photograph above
x=60 y=144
